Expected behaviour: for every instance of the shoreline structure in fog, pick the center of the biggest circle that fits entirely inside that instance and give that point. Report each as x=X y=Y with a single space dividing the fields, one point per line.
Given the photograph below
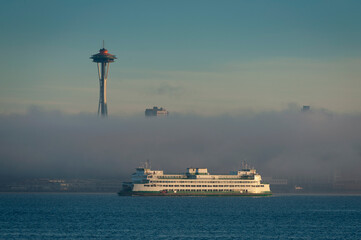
x=155 y=111
x=103 y=58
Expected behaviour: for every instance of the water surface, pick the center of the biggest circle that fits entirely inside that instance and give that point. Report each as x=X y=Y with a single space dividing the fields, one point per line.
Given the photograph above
x=107 y=216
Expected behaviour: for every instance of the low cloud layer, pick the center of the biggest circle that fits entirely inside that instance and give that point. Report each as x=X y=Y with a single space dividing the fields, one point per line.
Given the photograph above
x=170 y=90
x=280 y=144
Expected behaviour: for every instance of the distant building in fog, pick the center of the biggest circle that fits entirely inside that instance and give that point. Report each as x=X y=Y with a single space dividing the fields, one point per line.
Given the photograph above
x=306 y=108
x=155 y=111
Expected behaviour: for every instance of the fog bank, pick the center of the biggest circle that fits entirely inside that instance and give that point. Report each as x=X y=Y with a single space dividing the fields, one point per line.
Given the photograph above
x=285 y=143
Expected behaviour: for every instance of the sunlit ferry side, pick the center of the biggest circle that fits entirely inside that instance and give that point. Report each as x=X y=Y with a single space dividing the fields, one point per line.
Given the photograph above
x=195 y=182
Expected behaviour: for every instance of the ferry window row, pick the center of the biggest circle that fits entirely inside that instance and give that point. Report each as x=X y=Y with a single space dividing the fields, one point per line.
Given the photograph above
x=170 y=177
x=155 y=181
x=231 y=186
x=204 y=190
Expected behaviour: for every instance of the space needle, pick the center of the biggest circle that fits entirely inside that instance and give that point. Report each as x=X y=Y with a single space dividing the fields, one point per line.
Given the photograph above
x=103 y=58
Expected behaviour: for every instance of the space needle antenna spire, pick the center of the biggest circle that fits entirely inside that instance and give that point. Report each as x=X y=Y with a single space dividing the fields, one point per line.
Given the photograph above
x=103 y=58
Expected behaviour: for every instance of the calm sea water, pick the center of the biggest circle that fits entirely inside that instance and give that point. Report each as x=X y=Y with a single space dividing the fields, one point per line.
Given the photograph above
x=107 y=216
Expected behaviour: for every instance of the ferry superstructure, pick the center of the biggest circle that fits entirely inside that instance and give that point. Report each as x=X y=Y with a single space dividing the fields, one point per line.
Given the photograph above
x=196 y=181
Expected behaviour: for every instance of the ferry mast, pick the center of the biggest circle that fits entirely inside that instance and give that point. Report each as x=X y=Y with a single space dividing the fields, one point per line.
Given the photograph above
x=103 y=58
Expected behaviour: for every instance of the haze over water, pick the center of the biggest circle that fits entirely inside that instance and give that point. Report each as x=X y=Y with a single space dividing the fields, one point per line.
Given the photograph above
x=288 y=143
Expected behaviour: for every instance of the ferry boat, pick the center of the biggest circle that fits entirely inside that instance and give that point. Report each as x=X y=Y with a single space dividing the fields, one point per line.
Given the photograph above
x=195 y=182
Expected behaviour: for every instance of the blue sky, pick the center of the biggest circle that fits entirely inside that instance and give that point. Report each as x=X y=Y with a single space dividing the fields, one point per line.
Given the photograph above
x=207 y=57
